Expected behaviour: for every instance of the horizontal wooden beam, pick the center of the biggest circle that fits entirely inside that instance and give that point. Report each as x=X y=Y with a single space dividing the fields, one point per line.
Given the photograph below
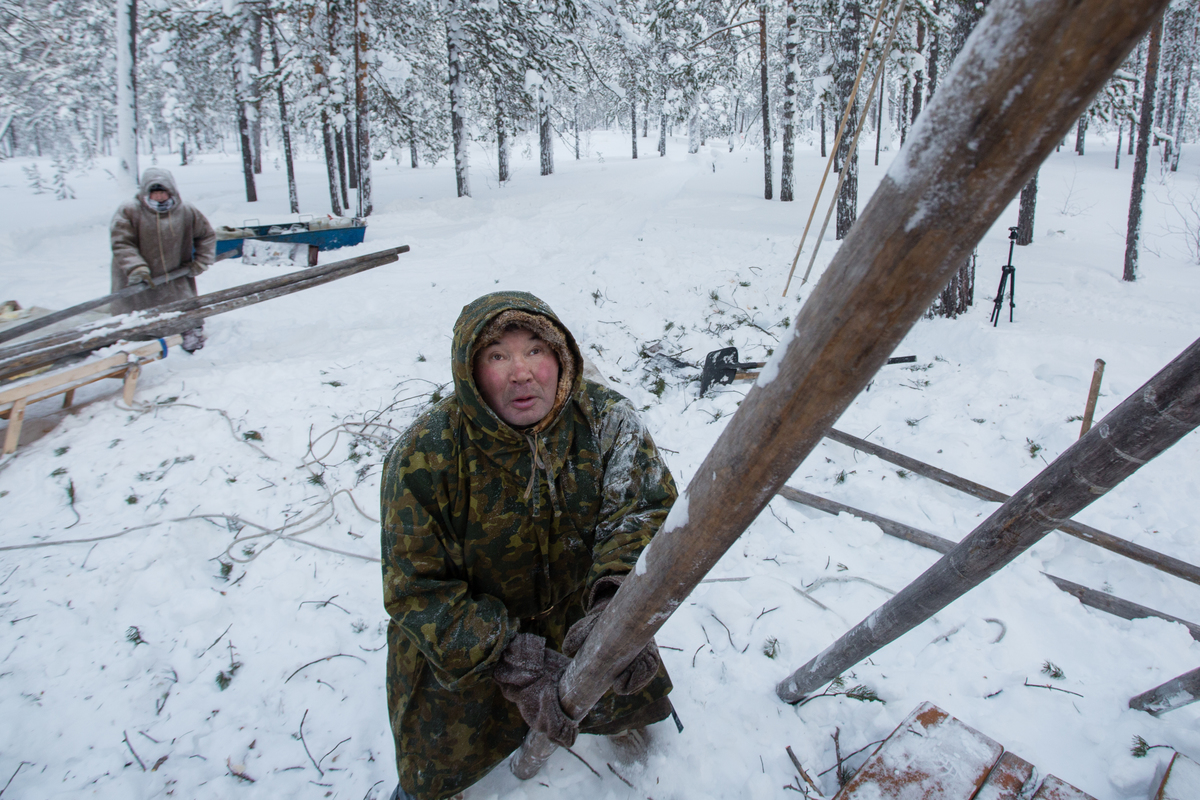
x=1114 y=544
x=1101 y=601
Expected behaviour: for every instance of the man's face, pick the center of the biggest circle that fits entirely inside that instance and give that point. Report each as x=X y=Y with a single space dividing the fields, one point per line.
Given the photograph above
x=518 y=377
x=160 y=195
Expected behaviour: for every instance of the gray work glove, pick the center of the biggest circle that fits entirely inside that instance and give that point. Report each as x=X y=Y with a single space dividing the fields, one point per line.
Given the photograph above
x=643 y=668
x=528 y=675
x=139 y=274
x=194 y=268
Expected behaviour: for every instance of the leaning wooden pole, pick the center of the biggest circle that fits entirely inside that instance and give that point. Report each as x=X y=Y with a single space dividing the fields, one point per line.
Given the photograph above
x=1028 y=72
x=1149 y=421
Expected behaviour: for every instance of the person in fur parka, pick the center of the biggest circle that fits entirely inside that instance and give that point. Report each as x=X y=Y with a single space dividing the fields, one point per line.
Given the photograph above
x=156 y=233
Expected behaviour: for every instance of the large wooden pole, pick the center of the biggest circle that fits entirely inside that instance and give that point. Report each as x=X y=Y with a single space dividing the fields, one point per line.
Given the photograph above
x=1149 y=421
x=1030 y=69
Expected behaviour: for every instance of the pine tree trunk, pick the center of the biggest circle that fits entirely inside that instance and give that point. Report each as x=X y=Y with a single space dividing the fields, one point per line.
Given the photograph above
x=1117 y=158
x=546 y=134
x=879 y=112
x=501 y=132
x=244 y=133
x=284 y=128
x=458 y=123
x=1025 y=215
x=935 y=51
x=183 y=153
x=255 y=84
x=959 y=294
x=331 y=167
x=575 y=125
x=1134 y=229
x=846 y=56
x=1081 y=134
x=786 y=178
x=918 y=76
x=662 y=136
x=694 y=132
x=351 y=151
x=904 y=114
x=412 y=144
x=362 y=107
x=633 y=124
x=766 y=100
x=127 y=128
x=1187 y=85
x=339 y=143
x=821 y=108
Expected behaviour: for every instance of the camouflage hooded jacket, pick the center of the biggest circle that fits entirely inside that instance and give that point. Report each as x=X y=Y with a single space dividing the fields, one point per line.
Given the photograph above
x=479 y=545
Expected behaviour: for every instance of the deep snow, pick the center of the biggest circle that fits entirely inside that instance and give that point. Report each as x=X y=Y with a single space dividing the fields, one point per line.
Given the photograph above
x=681 y=252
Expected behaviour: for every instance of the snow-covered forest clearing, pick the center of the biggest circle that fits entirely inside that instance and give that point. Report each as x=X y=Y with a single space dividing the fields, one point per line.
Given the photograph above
x=190 y=585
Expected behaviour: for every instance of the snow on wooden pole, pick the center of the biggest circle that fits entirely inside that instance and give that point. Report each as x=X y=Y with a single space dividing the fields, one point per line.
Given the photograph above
x=1149 y=421
x=1029 y=70
x=1173 y=694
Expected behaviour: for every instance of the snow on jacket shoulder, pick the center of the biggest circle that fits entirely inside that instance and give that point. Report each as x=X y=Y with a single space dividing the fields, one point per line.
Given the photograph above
x=161 y=241
x=480 y=544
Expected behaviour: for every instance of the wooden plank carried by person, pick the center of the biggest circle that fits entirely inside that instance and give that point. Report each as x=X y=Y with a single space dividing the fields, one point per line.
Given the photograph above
x=181 y=315
x=1029 y=70
x=126 y=364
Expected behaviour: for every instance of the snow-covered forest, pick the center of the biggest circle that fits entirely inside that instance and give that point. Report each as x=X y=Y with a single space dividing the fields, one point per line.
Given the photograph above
x=190 y=594
x=415 y=82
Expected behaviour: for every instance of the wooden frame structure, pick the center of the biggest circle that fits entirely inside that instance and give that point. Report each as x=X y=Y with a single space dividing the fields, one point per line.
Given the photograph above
x=126 y=365
x=1028 y=71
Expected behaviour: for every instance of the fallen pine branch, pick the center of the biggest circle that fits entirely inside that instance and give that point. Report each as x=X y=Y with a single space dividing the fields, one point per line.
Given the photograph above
x=238 y=772
x=1051 y=688
x=803 y=774
x=319 y=660
x=135 y=755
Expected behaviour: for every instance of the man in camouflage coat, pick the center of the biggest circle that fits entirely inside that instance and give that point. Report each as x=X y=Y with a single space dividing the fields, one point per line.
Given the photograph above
x=501 y=539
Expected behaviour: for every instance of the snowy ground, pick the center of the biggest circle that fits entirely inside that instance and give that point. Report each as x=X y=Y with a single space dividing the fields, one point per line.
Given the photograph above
x=122 y=645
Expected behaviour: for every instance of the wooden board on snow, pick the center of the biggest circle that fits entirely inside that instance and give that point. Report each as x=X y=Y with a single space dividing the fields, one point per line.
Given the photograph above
x=930 y=756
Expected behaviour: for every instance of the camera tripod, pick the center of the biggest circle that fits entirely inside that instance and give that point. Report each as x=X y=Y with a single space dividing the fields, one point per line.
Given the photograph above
x=1008 y=277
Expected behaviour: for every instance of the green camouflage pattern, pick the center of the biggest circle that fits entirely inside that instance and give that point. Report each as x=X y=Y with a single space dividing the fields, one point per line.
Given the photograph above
x=468 y=561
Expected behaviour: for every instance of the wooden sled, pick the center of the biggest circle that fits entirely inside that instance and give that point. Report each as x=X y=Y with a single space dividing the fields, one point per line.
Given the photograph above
x=126 y=365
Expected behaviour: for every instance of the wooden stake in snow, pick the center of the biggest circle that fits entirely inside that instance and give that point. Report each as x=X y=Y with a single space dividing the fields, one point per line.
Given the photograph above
x=1029 y=70
x=1149 y=421
x=1090 y=409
